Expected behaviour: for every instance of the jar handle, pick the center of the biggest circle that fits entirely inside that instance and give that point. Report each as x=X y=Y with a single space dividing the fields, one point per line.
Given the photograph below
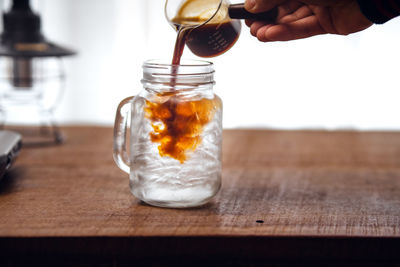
x=120 y=154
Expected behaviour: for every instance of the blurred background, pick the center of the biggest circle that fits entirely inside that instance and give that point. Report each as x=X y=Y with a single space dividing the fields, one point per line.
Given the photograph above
x=328 y=82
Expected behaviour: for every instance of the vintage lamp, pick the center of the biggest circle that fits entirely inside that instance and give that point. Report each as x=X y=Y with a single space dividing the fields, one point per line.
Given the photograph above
x=32 y=77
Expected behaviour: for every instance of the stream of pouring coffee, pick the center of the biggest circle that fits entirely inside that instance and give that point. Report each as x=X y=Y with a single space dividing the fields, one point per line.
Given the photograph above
x=179 y=47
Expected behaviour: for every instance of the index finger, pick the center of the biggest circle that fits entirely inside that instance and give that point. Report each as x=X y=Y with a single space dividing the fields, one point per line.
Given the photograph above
x=302 y=28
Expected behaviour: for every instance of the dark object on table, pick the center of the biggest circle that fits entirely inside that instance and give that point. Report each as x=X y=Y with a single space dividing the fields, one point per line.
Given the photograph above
x=10 y=145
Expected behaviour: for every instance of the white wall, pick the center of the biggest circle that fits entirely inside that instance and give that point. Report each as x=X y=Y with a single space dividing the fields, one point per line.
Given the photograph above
x=323 y=82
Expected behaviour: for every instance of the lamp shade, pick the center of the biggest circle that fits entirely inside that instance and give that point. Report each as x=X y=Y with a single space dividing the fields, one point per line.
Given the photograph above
x=22 y=36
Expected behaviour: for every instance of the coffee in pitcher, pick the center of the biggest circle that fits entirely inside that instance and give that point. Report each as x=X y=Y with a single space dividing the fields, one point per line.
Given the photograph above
x=205 y=27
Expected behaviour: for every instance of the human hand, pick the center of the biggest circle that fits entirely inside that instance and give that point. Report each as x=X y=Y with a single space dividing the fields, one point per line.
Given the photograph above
x=305 y=18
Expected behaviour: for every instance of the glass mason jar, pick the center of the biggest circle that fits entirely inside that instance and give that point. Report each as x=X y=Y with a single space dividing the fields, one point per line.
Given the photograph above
x=175 y=135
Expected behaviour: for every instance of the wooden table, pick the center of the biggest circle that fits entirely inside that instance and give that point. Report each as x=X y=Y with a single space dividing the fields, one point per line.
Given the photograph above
x=287 y=196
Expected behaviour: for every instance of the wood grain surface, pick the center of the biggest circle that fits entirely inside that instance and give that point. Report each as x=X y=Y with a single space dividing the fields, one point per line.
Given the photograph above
x=291 y=193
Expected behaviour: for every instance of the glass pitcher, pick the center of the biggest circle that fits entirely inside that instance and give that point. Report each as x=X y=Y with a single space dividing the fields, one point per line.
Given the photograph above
x=207 y=28
x=175 y=135
x=211 y=27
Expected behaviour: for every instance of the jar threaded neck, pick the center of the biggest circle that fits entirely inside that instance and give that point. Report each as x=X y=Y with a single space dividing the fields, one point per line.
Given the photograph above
x=192 y=74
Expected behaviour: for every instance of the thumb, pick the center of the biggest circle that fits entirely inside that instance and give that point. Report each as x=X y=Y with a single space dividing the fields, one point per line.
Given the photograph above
x=257 y=6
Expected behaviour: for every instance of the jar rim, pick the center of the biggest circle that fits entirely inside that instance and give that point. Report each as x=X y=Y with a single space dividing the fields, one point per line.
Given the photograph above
x=184 y=63
x=166 y=76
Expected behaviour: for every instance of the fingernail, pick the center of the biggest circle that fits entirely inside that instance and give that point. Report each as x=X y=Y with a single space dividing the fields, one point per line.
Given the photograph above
x=250 y=4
